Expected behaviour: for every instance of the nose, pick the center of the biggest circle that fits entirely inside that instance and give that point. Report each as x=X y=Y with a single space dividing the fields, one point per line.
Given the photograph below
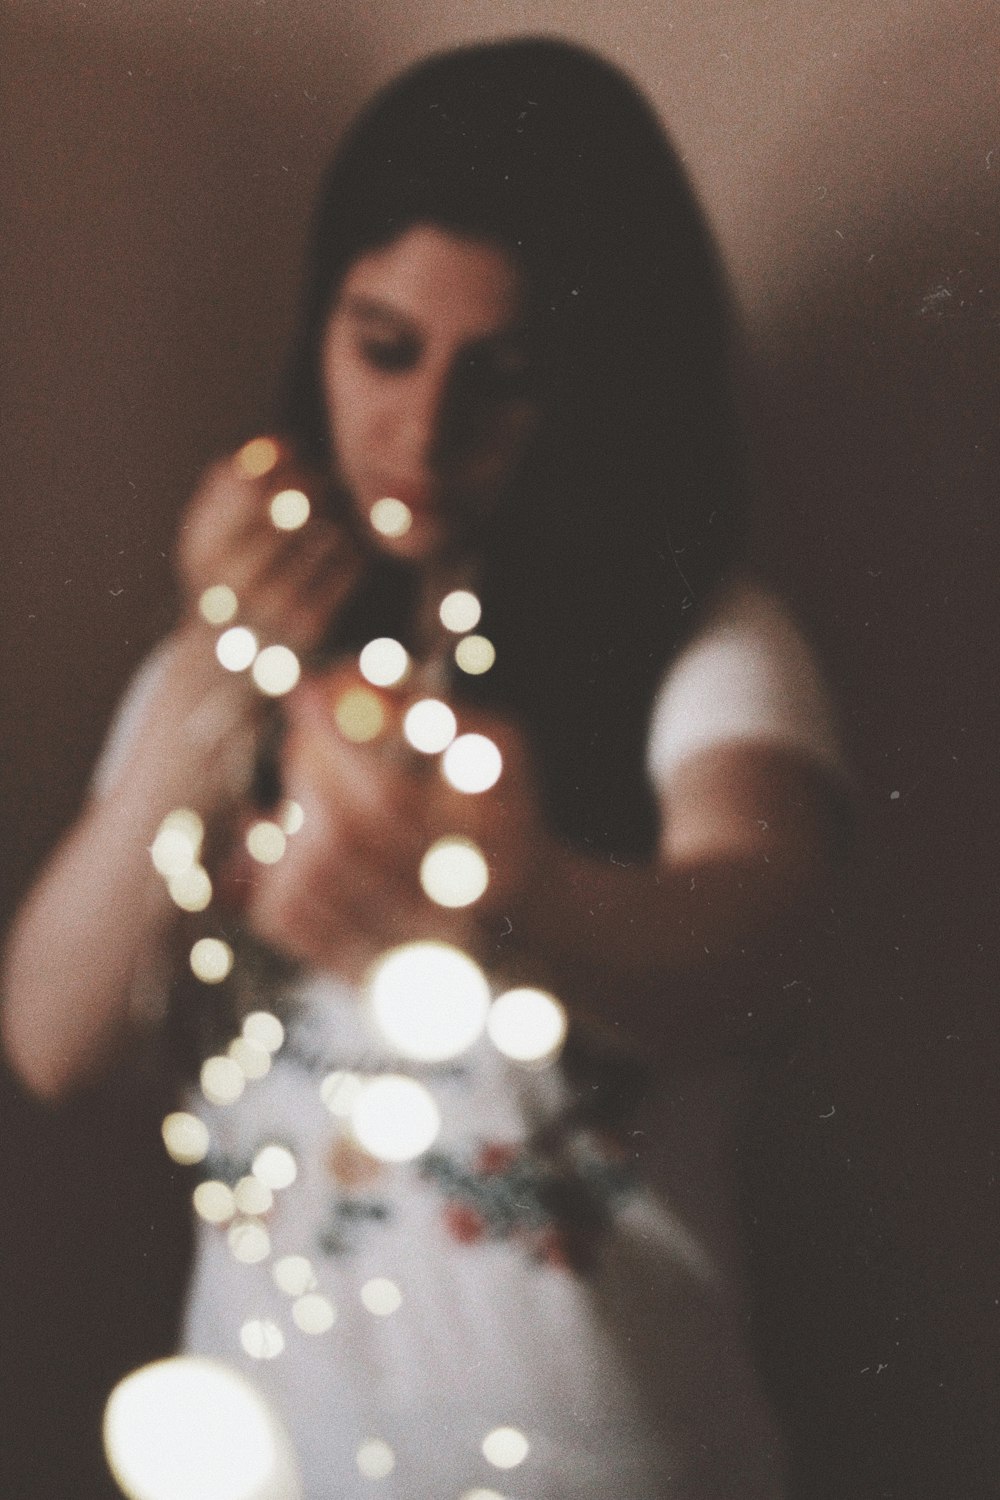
x=435 y=424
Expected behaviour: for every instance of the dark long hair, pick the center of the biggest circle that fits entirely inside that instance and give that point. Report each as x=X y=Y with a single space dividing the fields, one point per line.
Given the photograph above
x=628 y=509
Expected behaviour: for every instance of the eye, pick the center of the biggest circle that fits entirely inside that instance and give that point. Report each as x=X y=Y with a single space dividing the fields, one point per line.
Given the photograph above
x=500 y=374
x=390 y=355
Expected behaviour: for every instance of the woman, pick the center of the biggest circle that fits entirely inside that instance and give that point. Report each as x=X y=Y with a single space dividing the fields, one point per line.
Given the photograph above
x=516 y=326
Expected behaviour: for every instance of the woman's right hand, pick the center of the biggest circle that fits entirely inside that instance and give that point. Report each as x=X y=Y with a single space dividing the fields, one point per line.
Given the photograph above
x=289 y=584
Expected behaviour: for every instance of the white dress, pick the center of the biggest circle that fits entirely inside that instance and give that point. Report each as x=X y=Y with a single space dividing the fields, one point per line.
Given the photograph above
x=556 y=1280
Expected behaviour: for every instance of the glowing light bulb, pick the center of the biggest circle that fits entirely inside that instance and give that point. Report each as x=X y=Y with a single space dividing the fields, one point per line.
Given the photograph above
x=222 y=1080
x=275 y=1166
x=258 y=457
x=339 y=1092
x=276 y=671
x=211 y=960
x=359 y=715
x=289 y=510
x=384 y=662
x=430 y=726
x=185 y=1137
x=177 y=844
x=262 y=1339
x=249 y=1242
x=264 y=1029
x=193 y=1429
x=191 y=889
x=478 y=1494
x=394 y=1118
x=472 y=763
x=527 y=1025
x=214 y=1202
x=475 y=654
x=265 y=842
x=252 y=1197
x=429 y=999
x=218 y=604
x=375 y=1459
x=314 y=1313
x=253 y=1060
x=294 y=1275
x=460 y=611
x=390 y=517
x=453 y=872
x=291 y=817
x=505 y=1447
x=381 y=1296
x=236 y=648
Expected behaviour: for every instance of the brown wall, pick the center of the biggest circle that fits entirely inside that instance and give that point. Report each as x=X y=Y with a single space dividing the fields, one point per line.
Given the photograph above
x=159 y=172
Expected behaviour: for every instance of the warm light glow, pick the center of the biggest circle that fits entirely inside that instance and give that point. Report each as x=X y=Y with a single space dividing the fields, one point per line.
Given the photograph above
x=475 y=654
x=236 y=648
x=376 y=1459
x=453 y=872
x=480 y=1495
x=249 y=1242
x=527 y=1025
x=384 y=662
x=505 y=1447
x=430 y=1000
x=218 y=604
x=275 y=1166
x=359 y=715
x=258 y=457
x=395 y=1118
x=253 y=1060
x=276 y=671
x=264 y=1029
x=291 y=817
x=339 y=1092
x=265 y=842
x=294 y=1275
x=194 y=1429
x=214 y=1202
x=191 y=890
x=472 y=763
x=289 y=510
x=211 y=960
x=262 y=1339
x=381 y=1296
x=177 y=844
x=222 y=1080
x=252 y=1197
x=185 y=1137
x=314 y=1313
x=430 y=726
x=460 y=611
x=390 y=517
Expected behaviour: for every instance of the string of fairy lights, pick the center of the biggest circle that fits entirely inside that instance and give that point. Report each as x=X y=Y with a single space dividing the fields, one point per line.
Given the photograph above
x=431 y=1001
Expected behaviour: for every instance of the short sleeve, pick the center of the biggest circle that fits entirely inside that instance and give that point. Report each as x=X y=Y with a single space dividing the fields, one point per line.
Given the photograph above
x=747 y=675
x=126 y=726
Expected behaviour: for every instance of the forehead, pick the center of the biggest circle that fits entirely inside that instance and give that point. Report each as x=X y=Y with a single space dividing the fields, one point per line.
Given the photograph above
x=438 y=283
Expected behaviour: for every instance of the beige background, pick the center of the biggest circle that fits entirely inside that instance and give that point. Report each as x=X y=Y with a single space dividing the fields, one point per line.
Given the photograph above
x=159 y=160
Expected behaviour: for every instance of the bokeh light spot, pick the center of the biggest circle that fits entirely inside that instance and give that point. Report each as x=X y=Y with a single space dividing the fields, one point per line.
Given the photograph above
x=314 y=1313
x=390 y=517
x=266 y=1030
x=289 y=509
x=218 y=604
x=276 y=671
x=505 y=1447
x=294 y=1275
x=339 y=1092
x=253 y=1060
x=265 y=842
x=191 y=889
x=262 y=1339
x=211 y=960
x=222 y=1080
x=275 y=1166
x=429 y=999
x=381 y=1296
x=460 y=611
x=214 y=1202
x=454 y=873
x=475 y=654
x=384 y=662
x=395 y=1118
x=375 y=1459
x=177 y=844
x=359 y=715
x=527 y=1025
x=472 y=763
x=236 y=648
x=430 y=726
x=291 y=817
x=185 y=1137
x=252 y=1197
x=258 y=457
x=249 y=1242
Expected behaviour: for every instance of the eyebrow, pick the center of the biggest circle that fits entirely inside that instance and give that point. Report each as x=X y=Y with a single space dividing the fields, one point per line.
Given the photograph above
x=371 y=310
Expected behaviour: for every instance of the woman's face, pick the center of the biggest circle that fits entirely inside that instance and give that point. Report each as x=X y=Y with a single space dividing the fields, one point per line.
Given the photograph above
x=427 y=383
